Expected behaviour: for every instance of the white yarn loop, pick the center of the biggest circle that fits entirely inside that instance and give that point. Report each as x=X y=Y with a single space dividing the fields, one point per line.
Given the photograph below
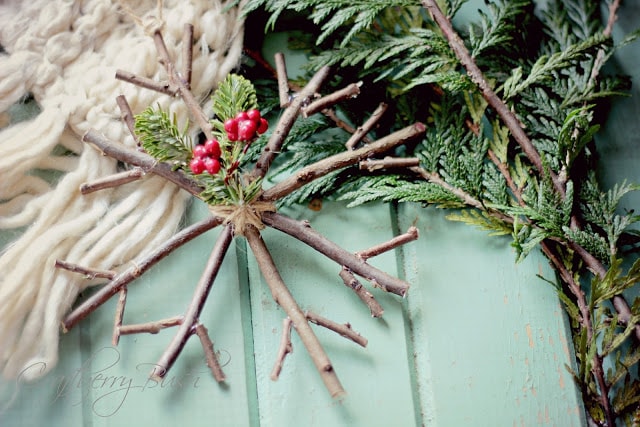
x=64 y=54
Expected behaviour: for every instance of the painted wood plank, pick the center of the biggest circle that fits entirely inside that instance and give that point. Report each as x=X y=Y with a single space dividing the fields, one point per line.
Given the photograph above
x=489 y=337
x=376 y=378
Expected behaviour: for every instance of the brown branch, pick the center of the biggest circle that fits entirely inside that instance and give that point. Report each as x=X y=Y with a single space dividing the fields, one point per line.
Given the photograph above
x=437 y=179
x=283 y=80
x=284 y=299
x=209 y=352
x=350 y=91
x=285 y=123
x=585 y=320
x=111 y=181
x=142 y=160
x=365 y=296
x=341 y=329
x=411 y=235
x=331 y=114
x=341 y=160
x=285 y=348
x=366 y=127
x=187 y=54
x=389 y=163
x=192 y=314
x=127 y=116
x=89 y=273
x=117 y=321
x=150 y=327
x=140 y=266
x=508 y=117
x=162 y=87
x=303 y=232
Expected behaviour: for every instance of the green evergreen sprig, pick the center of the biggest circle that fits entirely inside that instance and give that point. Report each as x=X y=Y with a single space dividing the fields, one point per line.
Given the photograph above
x=551 y=78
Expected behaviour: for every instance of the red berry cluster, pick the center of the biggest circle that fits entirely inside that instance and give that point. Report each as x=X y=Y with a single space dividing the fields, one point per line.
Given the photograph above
x=245 y=126
x=206 y=157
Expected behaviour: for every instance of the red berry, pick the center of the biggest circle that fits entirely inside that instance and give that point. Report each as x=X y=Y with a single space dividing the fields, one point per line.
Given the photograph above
x=197 y=165
x=246 y=130
x=212 y=148
x=231 y=125
x=254 y=115
x=199 y=151
x=212 y=165
x=263 y=125
x=242 y=115
x=232 y=136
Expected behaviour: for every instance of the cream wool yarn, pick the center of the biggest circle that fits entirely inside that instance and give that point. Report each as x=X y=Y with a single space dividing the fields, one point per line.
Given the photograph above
x=65 y=54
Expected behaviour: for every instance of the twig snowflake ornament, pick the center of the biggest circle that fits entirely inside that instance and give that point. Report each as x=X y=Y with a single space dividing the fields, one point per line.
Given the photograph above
x=216 y=172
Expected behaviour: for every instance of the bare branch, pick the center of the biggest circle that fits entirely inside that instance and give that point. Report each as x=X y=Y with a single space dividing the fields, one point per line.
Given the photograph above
x=409 y=236
x=162 y=87
x=285 y=348
x=284 y=299
x=210 y=354
x=151 y=327
x=192 y=314
x=350 y=91
x=341 y=329
x=366 y=127
x=365 y=296
x=117 y=321
x=143 y=160
x=389 y=163
x=286 y=122
x=187 y=54
x=89 y=273
x=283 y=80
x=111 y=181
x=303 y=232
x=139 y=267
x=339 y=161
x=127 y=116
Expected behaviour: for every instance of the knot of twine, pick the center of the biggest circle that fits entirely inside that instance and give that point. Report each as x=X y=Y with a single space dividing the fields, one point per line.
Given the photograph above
x=244 y=215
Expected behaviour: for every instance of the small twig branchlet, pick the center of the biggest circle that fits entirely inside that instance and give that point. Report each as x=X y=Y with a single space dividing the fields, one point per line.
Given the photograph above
x=341 y=329
x=210 y=353
x=285 y=348
x=360 y=133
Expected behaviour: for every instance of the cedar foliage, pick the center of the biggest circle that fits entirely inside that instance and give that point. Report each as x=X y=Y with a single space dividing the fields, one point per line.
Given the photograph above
x=545 y=62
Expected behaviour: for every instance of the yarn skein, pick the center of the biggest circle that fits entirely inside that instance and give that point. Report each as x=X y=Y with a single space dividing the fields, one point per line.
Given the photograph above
x=64 y=54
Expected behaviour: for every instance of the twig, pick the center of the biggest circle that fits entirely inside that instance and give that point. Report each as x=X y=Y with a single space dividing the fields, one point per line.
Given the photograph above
x=126 y=114
x=366 y=127
x=341 y=329
x=139 y=267
x=117 y=321
x=285 y=348
x=341 y=160
x=437 y=179
x=409 y=236
x=284 y=299
x=89 y=273
x=192 y=314
x=365 y=296
x=303 y=232
x=350 y=91
x=112 y=180
x=508 y=117
x=283 y=79
x=389 y=163
x=210 y=354
x=143 y=160
x=162 y=87
x=331 y=113
x=151 y=327
x=286 y=122
x=187 y=54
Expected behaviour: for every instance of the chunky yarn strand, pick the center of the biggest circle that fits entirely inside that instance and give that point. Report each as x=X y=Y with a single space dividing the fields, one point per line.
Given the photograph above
x=64 y=54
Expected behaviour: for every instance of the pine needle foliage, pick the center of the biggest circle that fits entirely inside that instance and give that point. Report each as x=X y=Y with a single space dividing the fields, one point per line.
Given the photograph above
x=545 y=62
